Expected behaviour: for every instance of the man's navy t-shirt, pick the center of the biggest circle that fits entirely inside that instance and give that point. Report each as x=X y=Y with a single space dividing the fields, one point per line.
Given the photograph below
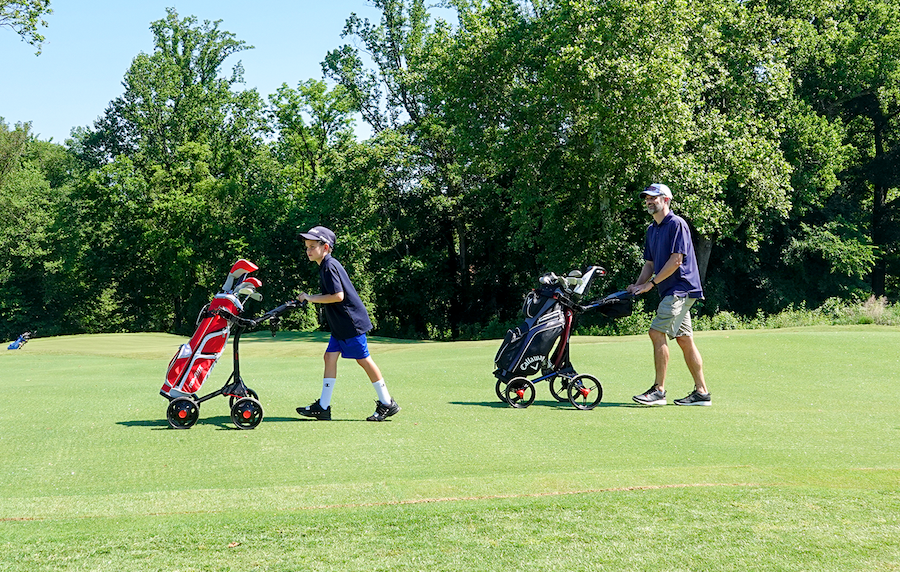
x=347 y=318
x=670 y=236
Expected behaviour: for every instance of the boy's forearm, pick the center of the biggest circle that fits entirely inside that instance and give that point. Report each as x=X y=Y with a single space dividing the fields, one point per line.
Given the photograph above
x=322 y=298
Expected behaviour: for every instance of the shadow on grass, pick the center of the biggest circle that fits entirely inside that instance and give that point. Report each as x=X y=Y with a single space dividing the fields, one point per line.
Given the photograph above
x=222 y=421
x=562 y=405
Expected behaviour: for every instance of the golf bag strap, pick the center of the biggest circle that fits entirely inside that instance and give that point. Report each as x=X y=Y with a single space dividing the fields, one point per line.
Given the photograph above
x=243 y=322
x=564 y=341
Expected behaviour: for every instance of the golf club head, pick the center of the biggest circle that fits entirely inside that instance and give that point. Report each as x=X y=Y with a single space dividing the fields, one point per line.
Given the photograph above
x=251 y=283
x=587 y=277
x=548 y=279
x=240 y=269
x=251 y=293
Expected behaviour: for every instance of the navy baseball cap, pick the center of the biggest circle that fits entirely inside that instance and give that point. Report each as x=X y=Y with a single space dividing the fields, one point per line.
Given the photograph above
x=320 y=233
x=657 y=190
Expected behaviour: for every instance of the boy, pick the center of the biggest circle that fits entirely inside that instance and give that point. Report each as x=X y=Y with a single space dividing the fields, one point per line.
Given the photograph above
x=349 y=321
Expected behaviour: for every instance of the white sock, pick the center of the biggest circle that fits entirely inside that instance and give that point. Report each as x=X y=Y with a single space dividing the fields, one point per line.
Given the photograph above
x=327 y=388
x=381 y=390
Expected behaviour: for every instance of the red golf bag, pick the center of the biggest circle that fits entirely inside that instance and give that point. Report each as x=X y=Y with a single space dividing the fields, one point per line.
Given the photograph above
x=195 y=360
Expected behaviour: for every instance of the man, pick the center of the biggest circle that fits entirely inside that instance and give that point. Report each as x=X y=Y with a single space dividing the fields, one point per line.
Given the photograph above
x=671 y=267
x=349 y=321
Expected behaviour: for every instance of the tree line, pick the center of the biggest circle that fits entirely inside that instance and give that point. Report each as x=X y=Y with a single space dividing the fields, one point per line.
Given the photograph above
x=511 y=141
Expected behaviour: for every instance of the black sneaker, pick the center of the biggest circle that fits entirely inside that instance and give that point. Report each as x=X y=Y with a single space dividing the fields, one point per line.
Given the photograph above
x=315 y=411
x=695 y=398
x=652 y=396
x=383 y=411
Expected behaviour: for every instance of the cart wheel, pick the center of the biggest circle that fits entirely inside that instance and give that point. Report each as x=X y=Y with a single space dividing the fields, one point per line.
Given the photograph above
x=519 y=392
x=500 y=388
x=559 y=393
x=182 y=412
x=585 y=392
x=246 y=413
x=233 y=398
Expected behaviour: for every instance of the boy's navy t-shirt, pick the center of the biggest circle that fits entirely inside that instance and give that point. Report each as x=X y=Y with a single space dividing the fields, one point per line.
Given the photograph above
x=347 y=318
x=664 y=239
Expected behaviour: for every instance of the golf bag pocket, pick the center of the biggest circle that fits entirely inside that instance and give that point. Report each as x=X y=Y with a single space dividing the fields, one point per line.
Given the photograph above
x=526 y=348
x=180 y=361
x=617 y=305
x=618 y=309
x=194 y=360
x=509 y=348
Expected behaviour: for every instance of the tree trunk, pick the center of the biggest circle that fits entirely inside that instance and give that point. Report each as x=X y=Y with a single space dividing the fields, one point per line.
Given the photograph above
x=879 y=199
x=177 y=322
x=879 y=270
x=456 y=289
x=703 y=250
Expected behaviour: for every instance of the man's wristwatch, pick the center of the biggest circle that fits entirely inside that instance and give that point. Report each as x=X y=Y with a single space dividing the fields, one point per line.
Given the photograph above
x=654 y=283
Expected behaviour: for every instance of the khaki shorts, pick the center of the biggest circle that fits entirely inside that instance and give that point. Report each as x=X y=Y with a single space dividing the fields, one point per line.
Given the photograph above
x=673 y=316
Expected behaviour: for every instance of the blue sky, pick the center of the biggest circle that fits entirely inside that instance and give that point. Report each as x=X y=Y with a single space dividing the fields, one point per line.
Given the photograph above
x=90 y=45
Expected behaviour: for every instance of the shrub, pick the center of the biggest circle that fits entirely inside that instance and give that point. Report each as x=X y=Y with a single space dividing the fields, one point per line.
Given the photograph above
x=721 y=321
x=832 y=312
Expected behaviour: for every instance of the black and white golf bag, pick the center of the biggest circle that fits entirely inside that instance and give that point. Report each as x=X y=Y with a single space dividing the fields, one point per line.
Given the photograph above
x=541 y=342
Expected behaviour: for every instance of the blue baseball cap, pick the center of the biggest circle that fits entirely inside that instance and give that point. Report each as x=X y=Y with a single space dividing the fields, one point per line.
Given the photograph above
x=320 y=233
x=657 y=190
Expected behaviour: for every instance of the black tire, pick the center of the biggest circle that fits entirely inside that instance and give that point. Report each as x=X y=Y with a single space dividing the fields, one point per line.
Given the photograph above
x=559 y=394
x=246 y=413
x=519 y=392
x=233 y=398
x=182 y=413
x=500 y=388
x=585 y=391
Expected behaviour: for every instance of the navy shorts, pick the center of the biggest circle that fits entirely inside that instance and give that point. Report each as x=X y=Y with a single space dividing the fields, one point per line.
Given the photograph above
x=351 y=348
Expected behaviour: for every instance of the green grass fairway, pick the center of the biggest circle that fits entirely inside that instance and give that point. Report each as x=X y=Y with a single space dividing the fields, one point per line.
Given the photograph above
x=796 y=466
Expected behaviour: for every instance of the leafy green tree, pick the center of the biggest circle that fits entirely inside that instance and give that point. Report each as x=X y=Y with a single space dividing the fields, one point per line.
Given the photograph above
x=309 y=120
x=34 y=181
x=565 y=110
x=24 y=17
x=12 y=147
x=427 y=228
x=176 y=96
x=169 y=164
x=847 y=61
x=530 y=128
